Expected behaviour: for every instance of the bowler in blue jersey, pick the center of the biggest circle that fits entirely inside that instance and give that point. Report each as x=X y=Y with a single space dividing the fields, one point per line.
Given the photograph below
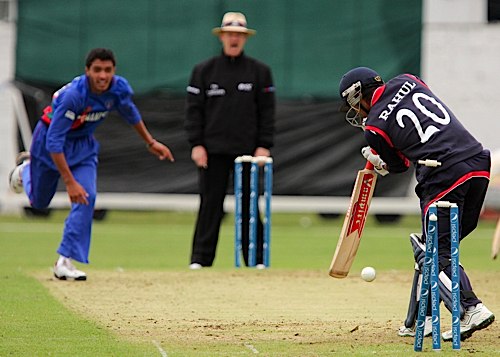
x=64 y=147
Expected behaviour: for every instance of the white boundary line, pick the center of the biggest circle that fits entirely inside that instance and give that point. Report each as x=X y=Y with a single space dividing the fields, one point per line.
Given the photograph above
x=190 y=202
x=251 y=348
x=162 y=351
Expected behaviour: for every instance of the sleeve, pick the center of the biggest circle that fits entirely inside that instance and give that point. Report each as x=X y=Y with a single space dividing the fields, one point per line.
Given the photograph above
x=195 y=104
x=396 y=162
x=266 y=105
x=125 y=106
x=65 y=113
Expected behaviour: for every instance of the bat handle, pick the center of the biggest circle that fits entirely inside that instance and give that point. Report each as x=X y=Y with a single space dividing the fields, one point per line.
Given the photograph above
x=369 y=165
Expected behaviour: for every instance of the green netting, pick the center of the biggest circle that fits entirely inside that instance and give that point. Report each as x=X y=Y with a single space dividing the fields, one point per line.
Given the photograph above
x=308 y=44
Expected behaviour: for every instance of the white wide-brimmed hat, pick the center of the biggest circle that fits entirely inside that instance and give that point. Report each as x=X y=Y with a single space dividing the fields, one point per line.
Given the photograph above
x=233 y=22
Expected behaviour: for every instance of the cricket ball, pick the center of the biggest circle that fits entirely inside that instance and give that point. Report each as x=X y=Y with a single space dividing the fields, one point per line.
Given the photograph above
x=368 y=274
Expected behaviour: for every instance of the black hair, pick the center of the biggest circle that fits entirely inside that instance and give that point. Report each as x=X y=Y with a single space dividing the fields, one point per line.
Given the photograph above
x=102 y=54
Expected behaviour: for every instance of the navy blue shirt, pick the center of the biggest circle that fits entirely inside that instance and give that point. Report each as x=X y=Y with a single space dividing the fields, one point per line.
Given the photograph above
x=408 y=122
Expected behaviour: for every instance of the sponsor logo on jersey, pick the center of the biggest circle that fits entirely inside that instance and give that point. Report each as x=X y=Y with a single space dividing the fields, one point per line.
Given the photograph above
x=70 y=115
x=87 y=116
x=402 y=92
x=215 y=91
x=245 y=87
x=193 y=90
x=96 y=116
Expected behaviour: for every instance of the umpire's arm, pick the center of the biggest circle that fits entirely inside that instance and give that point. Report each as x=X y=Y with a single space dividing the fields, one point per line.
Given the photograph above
x=266 y=104
x=195 y=104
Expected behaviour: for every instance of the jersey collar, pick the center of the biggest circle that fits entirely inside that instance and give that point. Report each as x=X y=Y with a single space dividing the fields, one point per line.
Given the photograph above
x=377 y=94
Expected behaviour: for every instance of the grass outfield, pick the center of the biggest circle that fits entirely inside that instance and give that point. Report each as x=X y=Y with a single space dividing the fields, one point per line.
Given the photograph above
x=141 y=300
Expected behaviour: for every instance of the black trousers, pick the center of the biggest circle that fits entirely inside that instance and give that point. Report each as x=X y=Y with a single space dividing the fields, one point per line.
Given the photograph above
x=213 y=186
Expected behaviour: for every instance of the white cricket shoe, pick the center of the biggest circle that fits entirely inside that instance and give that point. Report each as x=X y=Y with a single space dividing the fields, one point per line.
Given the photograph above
x=64 y=270
x=410 y=331
x=476 y=318
x=16 y=175
x=195 y=266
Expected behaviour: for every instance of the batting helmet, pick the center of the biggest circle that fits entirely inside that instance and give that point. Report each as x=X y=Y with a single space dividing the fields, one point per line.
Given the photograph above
x=352 y=87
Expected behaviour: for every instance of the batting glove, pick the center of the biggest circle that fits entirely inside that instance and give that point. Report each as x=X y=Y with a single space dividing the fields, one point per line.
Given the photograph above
x=375 y=159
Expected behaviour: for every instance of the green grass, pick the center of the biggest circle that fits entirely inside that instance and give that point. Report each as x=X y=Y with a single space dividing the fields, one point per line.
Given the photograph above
x=33 y=323
x=162 y=240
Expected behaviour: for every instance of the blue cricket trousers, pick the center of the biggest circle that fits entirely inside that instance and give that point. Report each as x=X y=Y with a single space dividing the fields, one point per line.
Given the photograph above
x=40 y=181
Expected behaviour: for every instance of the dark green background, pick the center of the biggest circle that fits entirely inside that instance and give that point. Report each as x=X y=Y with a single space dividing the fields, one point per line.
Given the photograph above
x=308 y=44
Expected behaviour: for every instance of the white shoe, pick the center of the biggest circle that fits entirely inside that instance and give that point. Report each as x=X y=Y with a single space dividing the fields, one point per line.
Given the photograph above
x=16 y=175
x=410 y=331
x=195 y=266
x=260 y=266
x=475 y=319
x=64 y=270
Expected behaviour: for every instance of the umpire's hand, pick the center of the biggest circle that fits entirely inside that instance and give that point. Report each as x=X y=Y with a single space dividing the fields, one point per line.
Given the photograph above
x=199 y=156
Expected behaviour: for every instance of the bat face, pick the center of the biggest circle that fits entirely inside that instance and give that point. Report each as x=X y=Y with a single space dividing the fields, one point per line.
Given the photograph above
x=359 y=209
x=354 y=223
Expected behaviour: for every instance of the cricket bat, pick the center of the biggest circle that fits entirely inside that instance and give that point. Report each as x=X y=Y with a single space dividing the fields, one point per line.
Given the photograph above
x=354 y=222
x=495 y=244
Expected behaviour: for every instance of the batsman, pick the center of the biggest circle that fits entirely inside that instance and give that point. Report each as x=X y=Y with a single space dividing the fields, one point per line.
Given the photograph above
x=405 y=123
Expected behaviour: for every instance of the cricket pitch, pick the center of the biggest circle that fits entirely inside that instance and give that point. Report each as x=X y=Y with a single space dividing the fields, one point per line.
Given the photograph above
x=293 y=313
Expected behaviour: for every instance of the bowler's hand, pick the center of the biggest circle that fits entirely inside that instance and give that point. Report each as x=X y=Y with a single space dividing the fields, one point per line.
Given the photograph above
x=199 y=156
x=77 y=193
x=161 y=151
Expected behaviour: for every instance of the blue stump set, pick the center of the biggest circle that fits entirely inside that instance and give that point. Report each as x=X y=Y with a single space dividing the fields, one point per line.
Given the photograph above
x=255 y=164
x=430 y=279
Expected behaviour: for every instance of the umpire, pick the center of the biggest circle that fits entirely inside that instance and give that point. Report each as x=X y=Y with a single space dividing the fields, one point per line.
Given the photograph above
x=230 y=112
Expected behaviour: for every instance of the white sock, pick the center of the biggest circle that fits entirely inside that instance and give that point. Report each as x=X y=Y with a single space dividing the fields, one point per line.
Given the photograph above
x=470 y=308
x=61 y=260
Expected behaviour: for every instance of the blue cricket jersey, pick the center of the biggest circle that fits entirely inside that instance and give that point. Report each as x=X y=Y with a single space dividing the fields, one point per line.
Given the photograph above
x=76 y=111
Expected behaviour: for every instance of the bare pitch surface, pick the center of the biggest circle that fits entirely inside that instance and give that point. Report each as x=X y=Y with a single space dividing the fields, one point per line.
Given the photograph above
x=273 y=313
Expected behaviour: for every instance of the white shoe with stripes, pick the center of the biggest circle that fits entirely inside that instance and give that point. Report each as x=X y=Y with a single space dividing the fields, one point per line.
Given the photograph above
x=16 y=175
x=475 y=319
x=64 y=270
